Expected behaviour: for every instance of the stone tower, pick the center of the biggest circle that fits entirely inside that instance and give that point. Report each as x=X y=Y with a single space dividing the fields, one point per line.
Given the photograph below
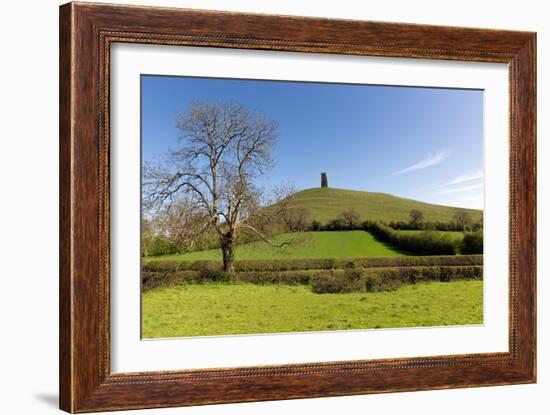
x=324 y=180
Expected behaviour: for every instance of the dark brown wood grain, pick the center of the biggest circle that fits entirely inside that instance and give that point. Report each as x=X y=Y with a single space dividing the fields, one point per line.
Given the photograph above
x=86 y=33
x=65 y=138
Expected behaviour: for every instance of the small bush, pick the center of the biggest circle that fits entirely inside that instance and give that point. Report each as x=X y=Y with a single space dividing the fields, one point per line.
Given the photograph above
x=213 y=275
x=158 y=245
x=472 y=243
x=383 y=281
x=277 y=277
x=150 y=280
x=330 y=282
x=316 y=226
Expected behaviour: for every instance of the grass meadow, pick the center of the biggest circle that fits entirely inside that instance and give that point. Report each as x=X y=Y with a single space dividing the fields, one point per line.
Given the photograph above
x=340 y=244
x=223 y=309
x=239 y=307
x=211 y=307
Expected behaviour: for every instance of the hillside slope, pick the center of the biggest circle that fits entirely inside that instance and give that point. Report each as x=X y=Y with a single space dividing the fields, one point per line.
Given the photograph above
x=325 y=204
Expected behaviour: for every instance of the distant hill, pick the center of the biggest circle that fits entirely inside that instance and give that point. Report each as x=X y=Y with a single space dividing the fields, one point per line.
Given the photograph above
x=325 y=204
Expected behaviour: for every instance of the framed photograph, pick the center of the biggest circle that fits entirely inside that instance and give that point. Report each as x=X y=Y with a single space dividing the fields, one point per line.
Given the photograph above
x=258 y=207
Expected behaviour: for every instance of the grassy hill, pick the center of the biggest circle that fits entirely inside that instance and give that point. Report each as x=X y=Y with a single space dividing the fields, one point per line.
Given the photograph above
x=326 y=203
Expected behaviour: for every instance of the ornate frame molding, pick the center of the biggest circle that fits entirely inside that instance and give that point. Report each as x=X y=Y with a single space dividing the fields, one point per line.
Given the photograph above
x=86 y=33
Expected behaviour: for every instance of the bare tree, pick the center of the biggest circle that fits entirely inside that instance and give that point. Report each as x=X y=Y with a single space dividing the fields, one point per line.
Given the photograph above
x=207 y=184
x=297 y=218
x=416 y=217
x=350 y=218
x=462 y=219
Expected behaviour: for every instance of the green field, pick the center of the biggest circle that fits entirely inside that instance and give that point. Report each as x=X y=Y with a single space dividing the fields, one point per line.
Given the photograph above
x=325 y=204
x=350 y=244
x=217 y=309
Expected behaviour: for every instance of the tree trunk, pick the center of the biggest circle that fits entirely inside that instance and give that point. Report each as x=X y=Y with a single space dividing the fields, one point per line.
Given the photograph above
x=228 y=251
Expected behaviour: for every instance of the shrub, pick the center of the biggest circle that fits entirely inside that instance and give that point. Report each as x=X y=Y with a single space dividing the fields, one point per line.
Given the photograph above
x=158 y=245
x=150 y=280
x=277 y=277
x=213 y=275
x=472 y=243
x=383 y=281
x=330 y=282
x=316 y=226
x=335 y=225
x=464 y=273
x=350 y=218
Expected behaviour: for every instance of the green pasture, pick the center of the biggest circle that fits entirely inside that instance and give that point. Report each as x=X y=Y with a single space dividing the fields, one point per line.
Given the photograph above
x=350 y=244
x=221 y=309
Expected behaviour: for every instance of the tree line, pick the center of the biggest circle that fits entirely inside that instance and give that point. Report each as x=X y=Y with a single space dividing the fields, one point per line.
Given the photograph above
x=298 y=219
x=351 y=219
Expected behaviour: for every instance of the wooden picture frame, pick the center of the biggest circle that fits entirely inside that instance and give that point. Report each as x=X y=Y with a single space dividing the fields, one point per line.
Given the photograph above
x=86 y=33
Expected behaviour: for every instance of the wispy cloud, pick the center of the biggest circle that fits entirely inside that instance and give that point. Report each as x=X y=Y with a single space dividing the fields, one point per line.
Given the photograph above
x=461 y=189
x=431 y=160
x=466 y=177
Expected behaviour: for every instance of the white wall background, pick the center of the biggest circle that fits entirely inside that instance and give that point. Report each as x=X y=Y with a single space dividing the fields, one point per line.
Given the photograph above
x=29 y=192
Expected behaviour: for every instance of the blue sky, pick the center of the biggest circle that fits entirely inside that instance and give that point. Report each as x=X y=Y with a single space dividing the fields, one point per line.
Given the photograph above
x=420 y=143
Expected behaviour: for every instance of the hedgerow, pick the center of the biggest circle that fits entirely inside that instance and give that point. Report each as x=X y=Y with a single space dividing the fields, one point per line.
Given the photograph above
x=422 y=243
x=472 y=243
x=386 y=279
x=313 y=263
x=347 y=279
x=437 y=225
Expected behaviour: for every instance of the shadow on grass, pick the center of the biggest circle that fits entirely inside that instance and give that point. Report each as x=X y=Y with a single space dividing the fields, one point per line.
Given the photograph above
x=390 y=246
